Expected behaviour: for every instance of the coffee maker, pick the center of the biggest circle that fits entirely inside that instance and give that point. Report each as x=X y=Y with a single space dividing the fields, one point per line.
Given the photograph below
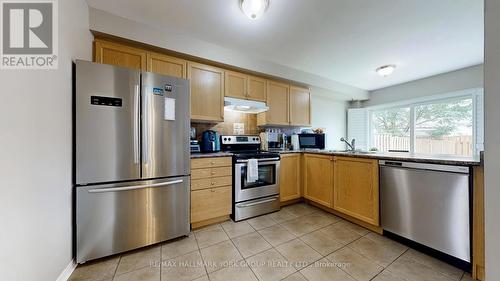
x=273 y=139
x=194 y=144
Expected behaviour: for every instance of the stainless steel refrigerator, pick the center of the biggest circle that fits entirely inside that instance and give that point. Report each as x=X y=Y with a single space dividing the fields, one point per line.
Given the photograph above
x=132 y=159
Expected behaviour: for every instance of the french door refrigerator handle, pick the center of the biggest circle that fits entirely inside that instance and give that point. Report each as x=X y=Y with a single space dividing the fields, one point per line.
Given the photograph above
x=125 y=188
x=136 y=124
x=145 y=116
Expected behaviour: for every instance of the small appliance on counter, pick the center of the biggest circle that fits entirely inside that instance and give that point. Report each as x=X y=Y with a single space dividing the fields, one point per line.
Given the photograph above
x=295 y=142
x=312 y=141
x=194 y=144
x=272 y=139
x=210 y=141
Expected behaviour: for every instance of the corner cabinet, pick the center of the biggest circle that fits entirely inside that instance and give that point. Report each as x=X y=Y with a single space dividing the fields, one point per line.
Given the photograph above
x=121 y=55
x=207 y=92
x=300 y=106
x=319 y=179
x=290 y=180
x=356 y=190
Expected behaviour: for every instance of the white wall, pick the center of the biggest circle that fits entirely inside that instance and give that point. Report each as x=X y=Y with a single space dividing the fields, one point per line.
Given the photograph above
x=467 y=78
x=36 y=157
x=492 y=138
x=330 y=114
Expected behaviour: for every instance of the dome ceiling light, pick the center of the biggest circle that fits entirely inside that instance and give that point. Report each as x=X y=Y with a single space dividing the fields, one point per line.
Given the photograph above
x=254 y=9
x=386 y=70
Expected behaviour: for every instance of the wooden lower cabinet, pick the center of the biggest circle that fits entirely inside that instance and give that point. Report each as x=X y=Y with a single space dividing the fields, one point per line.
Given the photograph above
x=356 y=191
x=318 y=179
x=290 y=177
x=211 y=190
x=210 y=203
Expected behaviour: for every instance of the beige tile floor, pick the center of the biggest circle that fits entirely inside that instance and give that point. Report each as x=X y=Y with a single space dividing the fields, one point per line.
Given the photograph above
x=300 y=242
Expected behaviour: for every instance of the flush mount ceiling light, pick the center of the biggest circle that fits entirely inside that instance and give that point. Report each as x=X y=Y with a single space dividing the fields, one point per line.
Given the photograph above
x=386 y=70
x=254 y=9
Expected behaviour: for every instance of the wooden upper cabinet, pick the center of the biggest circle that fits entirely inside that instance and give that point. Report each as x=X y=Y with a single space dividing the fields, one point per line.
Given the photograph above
x=356 y=188
x=207 y=92
x=318 y=179
x=290 y=177
x=120 y=55
x=166 y=65
x=257 y=88
x=277 y=100
x=300 y=106
x=236 y=85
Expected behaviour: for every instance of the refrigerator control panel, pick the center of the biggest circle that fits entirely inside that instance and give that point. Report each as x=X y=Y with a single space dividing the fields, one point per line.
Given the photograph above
x=106 y=101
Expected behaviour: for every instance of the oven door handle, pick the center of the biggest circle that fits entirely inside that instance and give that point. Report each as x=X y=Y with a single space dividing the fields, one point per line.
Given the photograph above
x=259 y=160
x=258 y=202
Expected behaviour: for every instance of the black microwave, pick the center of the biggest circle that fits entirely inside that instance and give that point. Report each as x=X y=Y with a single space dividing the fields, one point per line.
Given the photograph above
x=316 y=141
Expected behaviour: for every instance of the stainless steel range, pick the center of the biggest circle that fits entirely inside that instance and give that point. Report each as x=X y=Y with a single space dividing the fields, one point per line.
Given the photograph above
x=260 y=195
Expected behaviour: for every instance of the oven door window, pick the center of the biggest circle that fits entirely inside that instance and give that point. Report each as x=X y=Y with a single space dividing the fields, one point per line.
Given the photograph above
x=267 y=176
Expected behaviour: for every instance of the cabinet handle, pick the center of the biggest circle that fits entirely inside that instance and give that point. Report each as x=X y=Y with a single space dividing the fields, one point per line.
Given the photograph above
x=213 y=162
x=212 y=173
x=212 y=183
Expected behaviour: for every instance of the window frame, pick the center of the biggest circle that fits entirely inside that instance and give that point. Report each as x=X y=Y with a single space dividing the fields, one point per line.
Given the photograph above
x=473 y=94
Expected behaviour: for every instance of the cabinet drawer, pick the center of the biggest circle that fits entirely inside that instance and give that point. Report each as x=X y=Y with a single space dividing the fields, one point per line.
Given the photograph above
x=211 y=173
x=211 y=182
x=210 y=203
x=210 y=162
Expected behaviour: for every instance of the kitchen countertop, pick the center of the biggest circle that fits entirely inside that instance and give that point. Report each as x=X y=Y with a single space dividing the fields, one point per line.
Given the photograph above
x=210 y=154
x=398 y=156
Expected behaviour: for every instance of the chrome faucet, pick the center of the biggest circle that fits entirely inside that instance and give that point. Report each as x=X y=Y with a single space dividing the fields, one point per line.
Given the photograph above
x=351 y=145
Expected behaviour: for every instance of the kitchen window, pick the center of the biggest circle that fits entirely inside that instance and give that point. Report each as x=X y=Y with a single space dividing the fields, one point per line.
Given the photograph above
x=449 y=124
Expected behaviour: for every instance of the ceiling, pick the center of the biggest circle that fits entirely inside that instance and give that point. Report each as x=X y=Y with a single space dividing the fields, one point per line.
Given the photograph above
x=341 y=40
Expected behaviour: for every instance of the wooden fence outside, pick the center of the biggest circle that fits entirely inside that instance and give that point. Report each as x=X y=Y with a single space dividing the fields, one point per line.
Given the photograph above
x=459 y=145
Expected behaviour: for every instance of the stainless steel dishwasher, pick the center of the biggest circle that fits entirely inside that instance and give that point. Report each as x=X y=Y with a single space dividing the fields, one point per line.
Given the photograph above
x=428 y=204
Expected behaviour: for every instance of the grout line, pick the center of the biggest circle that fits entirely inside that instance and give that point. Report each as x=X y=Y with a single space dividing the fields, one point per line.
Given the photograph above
x=117 y=265
x=243 y=258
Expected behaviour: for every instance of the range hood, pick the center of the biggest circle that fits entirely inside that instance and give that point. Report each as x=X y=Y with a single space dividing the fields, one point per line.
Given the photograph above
x=244 y=106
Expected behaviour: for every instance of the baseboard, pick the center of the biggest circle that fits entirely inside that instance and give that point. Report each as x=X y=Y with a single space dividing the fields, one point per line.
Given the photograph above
x=64 y=276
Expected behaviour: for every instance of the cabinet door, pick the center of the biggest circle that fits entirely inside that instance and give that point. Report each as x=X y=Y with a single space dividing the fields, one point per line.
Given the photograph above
x=356 y=188
x=257 y=88
x=318 y=182
x=236 y=85
x=117 y=54
x=300 y=106
x=211 y=203
x=207 y=92
x=166 y=65
x=277 y=100
x=290 y=177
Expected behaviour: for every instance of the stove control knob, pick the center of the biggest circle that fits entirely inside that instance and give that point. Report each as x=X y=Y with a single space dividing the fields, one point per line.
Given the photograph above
x=229 y=139
x=225 y=139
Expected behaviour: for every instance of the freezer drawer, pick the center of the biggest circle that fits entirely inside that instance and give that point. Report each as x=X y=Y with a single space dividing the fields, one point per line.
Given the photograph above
x=427 y=206
x=114 y=218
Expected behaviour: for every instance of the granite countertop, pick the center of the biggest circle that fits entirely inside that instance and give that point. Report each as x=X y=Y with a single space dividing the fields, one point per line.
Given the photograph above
x=398 y=156
x=210 y=154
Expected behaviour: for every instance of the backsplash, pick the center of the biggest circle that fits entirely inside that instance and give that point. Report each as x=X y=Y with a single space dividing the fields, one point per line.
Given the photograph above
x=235 y=123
